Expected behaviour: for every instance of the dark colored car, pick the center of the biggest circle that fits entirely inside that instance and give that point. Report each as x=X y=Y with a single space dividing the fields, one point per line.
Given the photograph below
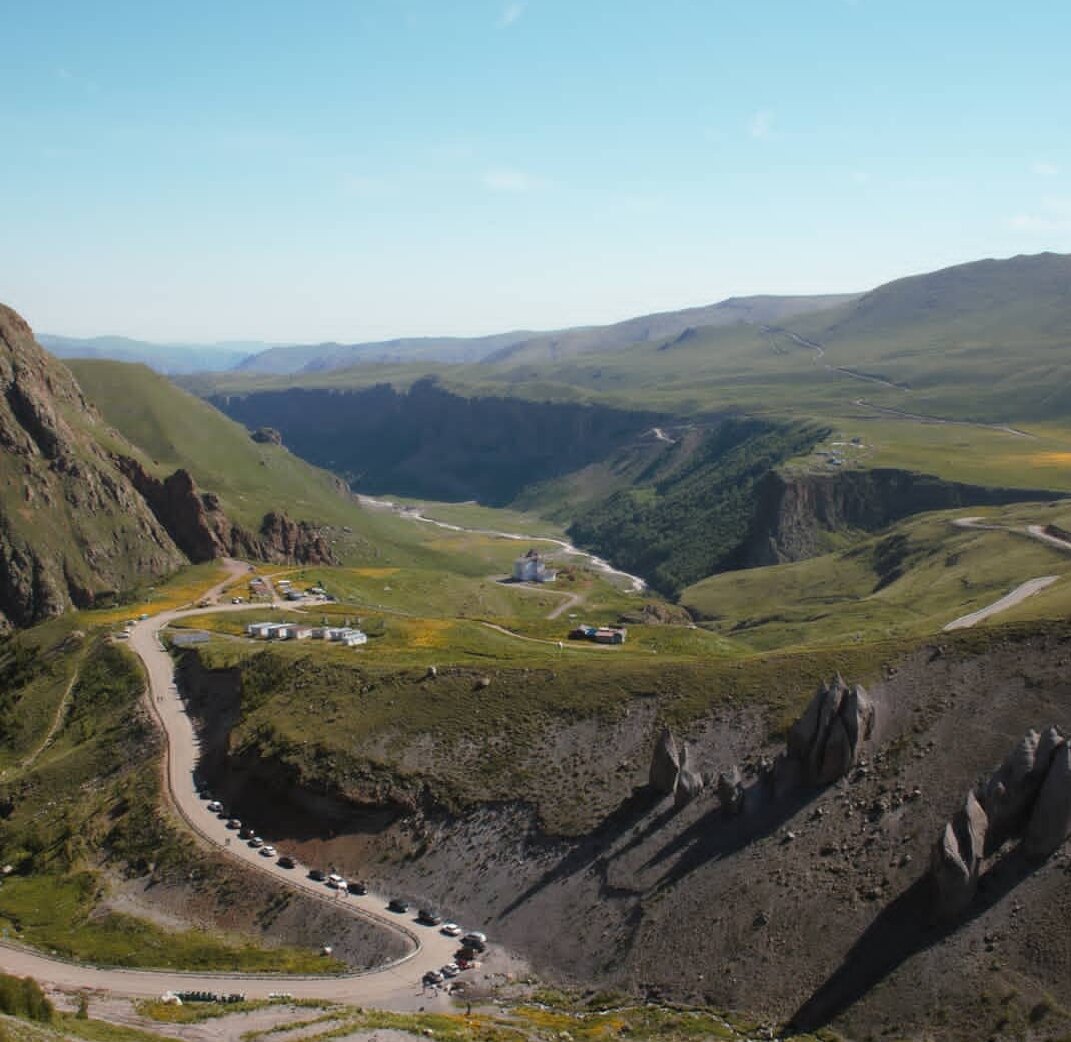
x=245 y=832
x=286 y=861
x=357 y=888
x=429 y=917
x=234 y=823
x=397 y=904
x=318 y=874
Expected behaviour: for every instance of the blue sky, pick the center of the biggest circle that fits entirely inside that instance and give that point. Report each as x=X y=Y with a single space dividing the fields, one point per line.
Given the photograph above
x=374 y=168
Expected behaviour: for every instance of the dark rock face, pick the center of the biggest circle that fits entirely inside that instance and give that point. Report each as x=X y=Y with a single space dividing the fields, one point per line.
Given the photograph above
x=194 y=521
x=267 y=436
x=828 y=738
x=426 y=438
x=793 y=514
x=1028 y=797
x=284 y=540
x=72 y=527
x=200 y=527
x=665 y=764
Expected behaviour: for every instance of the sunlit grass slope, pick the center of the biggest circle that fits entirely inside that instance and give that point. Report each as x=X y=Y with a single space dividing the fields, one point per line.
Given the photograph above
x=908 y=581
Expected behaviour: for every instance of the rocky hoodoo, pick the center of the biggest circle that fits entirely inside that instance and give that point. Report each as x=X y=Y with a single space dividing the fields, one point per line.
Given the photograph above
x=689 y=781
x=825 y=743
x=1027 y=797
x=665 y=764
x=72 y=527
x=730 y=791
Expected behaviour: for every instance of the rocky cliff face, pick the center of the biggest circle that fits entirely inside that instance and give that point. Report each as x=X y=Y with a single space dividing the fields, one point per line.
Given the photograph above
x=429 y=442
x=793 y=515
x=202 y=530
x=81 y=517
x=72 y=528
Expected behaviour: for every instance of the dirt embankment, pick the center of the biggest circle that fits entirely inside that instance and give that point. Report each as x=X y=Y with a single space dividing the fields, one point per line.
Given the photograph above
x=813 y=902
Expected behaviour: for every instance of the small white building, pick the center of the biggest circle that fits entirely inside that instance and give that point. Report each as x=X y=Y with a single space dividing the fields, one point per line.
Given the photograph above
x=291 y=631
x=261 y=630
x=531 y=568
x=347 y=635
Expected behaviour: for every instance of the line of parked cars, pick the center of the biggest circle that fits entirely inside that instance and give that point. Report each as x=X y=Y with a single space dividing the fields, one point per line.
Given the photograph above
x=472 y=943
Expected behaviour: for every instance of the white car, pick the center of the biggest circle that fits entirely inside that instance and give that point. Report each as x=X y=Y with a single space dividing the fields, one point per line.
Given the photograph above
x=335 y=881
x=267 y=851
x=215 y=806
x=450 y=929
x=451 y=969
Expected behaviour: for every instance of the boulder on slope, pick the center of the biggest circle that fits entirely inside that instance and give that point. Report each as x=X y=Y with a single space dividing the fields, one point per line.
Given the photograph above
x=665 y=764
x=956 y=860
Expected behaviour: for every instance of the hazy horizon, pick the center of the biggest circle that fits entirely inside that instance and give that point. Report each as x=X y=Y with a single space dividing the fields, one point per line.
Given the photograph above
x=380 y=170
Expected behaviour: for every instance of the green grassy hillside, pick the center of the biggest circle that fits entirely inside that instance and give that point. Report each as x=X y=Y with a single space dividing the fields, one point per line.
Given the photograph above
x=177 y=430
x=982 y=344
x=80 y=791
x=909 y=581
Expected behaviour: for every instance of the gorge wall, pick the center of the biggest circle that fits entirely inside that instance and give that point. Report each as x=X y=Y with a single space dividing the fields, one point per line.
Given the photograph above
x=793 y=515
x=429 y=442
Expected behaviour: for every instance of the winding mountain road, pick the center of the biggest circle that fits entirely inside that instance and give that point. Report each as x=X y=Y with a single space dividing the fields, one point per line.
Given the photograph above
x=1023 y=590
x=396 y=985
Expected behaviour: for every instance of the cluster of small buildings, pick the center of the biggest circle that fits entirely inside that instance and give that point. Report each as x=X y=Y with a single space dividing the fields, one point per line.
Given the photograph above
x=286 y=588
x=600 y=634
x=531 y=568
x=348 y=636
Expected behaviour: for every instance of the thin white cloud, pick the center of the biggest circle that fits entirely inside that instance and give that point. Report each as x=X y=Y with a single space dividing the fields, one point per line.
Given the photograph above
x=760 y=124
x=508 y=179
x=512 y=12
x=1054 y=215
x=1045 y=169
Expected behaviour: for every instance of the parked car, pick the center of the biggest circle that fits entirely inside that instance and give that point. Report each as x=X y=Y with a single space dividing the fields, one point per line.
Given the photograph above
x=286 y=861
x=234 y=823
x=429 y=917
x=255 y=841
x=398 y=904
x=317 y=874
x=267 y=850
x=357 y=888
x=475 y=940
x=336 y=882
x=451 y=969
x=433 y=977
x=450 y=930
x=245 y=832
x=215 y=806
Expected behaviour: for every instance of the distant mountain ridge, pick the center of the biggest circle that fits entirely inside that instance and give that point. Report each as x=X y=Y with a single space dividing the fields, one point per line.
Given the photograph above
x=523 y=345
x=171 y=359
x=661 y=326
x=311 y=358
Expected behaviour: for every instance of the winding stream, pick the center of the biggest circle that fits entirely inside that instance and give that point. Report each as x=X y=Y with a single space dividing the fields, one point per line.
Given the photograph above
x=635 y=583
